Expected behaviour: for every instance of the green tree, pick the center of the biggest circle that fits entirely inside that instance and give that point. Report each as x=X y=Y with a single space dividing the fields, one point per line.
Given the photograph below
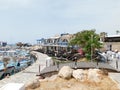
x=117 y=31
x=20 y=44
x=103 y=35
x=6 y=61
x=88 y=40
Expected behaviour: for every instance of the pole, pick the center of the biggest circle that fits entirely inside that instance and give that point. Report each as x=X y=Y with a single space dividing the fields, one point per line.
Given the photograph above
x=39 y=69
x=57 y=66
x=75 y=63
x=116 y=64
x=91 y=46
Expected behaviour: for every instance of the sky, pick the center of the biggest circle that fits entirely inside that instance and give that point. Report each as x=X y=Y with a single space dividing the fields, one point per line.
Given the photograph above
x=29 y=20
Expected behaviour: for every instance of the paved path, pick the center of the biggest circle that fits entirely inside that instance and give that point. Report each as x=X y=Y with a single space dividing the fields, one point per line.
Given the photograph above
x=115 y=76
x=113 y=64
x=27 y=74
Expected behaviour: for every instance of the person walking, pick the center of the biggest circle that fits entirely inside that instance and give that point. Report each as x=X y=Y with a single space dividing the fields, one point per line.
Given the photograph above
x=116 y=58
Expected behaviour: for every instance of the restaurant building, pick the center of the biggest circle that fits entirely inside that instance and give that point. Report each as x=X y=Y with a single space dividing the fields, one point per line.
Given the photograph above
x=55 y=43
x=112 y=42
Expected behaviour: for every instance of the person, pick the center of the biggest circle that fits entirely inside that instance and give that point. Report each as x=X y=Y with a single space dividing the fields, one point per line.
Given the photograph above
x=105 y=56
x=109 y=53
x=18 y=64
x=113 y=54
x=116 y=58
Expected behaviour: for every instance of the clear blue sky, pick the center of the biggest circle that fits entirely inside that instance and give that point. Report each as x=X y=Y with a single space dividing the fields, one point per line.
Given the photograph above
x=28 y=20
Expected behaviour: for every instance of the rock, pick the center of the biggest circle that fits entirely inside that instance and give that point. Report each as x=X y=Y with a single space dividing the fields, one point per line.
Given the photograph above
x=68 y=85
x=80 y=74
x=94 y=75
x=65 y=72
x=53 y=77
x=32 y=84
x=118 y=86
x=104 y=72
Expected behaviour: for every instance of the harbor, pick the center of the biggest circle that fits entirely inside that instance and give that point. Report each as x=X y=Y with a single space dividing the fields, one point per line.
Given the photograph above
x=28 y=74
x=13 y=61
x=59 y=45
x=39 y=67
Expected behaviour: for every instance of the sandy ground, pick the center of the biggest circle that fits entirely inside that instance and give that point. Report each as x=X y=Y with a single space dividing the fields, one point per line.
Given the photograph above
x=72 y=84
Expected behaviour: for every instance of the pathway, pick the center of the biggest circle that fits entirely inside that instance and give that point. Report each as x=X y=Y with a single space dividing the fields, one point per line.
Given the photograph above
x=115 y=76
x=113 y=64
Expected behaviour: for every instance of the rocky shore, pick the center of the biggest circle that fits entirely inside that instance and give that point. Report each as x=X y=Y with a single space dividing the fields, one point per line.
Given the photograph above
x=79 y=79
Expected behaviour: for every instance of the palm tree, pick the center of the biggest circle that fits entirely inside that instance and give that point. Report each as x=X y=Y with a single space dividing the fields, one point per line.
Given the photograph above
x=102 y=36
x=14 y=59
x=88 y=40
x=6 y=61
x=19 y=44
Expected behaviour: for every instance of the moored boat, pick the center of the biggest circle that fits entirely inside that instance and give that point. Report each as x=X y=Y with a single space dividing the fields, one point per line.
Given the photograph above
x=1 y=69
x=9 y=70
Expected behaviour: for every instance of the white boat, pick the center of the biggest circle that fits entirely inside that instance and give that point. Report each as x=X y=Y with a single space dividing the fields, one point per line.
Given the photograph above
x=1 y=73
x=9 y=70
x=1 y=69
x=8 y=53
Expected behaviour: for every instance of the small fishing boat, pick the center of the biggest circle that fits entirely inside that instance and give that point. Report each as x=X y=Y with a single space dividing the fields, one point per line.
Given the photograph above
x=1 y=69
x=23 y=63
x=9 y=70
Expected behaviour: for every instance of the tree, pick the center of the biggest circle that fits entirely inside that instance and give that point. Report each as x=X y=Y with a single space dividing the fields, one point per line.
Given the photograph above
x=102 y=36
x=117 y=31
x=88 y=40
x=6 y=61
x=14 y=58
x=20 y=44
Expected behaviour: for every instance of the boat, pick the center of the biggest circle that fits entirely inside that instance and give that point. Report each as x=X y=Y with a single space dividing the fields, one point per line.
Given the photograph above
x=18 y=60
x=1 y=73
x=6 y=71
x=1 y=69
x=10 y=69
x=23 y=63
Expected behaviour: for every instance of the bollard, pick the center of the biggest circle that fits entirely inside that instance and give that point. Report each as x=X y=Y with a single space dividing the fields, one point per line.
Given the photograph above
x=75 y=64
x=57 y=66
x=97 y=64
x=38 y=72
x=46 y=63
x=39 y=75
x=116 y=64
x=39 y=69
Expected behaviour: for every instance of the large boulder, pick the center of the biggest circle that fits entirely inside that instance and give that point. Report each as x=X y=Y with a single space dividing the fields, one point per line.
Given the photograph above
x=94 y=75
x=32 y=84
x=52 y=78
x=80 y=74
x=65 y=72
